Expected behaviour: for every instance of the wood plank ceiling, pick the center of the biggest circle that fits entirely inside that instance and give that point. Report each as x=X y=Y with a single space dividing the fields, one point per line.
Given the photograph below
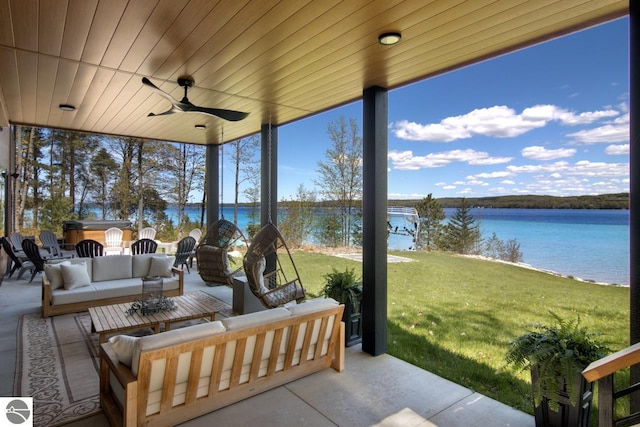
x=278 y=60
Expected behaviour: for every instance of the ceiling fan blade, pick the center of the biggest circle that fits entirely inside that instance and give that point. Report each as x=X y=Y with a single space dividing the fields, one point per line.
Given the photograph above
x=230 y=115
x=171 y=111
x=147 y=82
x=184 y=106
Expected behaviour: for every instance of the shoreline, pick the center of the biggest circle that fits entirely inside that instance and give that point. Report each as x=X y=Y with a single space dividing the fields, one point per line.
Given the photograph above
x=355 y=254
x=542 y=270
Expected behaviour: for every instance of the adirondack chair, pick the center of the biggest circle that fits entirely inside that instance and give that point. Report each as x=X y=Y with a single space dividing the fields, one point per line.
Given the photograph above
x=50 y=243
x=144 y=246
x=89 y=248
x=113 y=240
x=185 y=247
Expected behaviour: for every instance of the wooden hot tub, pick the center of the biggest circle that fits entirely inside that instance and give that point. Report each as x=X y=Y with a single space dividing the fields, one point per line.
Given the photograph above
x=75 y=231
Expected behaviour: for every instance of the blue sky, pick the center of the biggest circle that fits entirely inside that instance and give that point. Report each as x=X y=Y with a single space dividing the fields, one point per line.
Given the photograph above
x=551 y=119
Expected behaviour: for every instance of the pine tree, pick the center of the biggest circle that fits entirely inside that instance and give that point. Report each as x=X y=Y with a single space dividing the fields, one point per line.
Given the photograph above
x=463 y=232
x=431 y=217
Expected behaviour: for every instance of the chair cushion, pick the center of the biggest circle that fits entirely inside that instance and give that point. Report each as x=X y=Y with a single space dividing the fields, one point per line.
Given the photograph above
x=174 y=336
x=312 y=305
x=259 y=268
x=75 y=276
x=254 y=319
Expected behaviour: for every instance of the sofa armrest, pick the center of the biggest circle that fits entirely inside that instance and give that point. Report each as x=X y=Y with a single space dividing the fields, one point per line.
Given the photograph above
x=121 y=413
x=180 y=273
x=46 y=296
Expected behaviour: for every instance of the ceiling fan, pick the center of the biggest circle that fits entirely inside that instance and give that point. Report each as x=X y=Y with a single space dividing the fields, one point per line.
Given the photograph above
x=184 y=106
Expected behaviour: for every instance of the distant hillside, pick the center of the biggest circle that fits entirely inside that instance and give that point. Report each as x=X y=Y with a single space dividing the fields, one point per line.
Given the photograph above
x=602 y=201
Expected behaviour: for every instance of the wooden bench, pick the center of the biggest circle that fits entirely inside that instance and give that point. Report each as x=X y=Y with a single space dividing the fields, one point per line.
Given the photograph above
x=222 y=367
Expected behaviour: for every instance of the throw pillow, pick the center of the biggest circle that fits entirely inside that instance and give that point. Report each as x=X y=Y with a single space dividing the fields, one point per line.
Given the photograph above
x=123 y=346
x=161 y=266
x=54 y=274
x=75 y=276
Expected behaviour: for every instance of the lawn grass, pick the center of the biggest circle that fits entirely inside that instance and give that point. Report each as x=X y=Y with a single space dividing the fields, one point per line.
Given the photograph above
x=454 y=316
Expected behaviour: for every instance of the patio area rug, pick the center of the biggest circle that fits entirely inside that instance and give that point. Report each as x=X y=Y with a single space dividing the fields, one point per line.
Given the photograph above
x=57 y=363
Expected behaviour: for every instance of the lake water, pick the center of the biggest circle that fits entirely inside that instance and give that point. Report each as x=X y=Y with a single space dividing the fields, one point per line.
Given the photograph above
x=586 y=244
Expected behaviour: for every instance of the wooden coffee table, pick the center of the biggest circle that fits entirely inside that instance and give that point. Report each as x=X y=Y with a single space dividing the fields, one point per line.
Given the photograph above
x=109 y=319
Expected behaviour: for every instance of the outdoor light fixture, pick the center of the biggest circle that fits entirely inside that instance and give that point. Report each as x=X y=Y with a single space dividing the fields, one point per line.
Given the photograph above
x=67 y=107
x=389 y=39
x=200 y=127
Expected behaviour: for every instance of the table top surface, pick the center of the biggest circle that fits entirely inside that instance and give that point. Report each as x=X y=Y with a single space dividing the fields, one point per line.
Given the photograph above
x=114 y=317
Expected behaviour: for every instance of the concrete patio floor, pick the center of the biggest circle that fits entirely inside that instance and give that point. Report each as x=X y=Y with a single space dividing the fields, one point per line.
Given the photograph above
x=372 y=391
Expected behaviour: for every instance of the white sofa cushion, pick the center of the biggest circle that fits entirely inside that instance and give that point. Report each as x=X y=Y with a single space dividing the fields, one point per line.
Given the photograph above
x=312 y=305
x=161 y=266
x=123 y=346
x=257 y=318
x=112 y=267
x=54 y=274
x=175 y=336
x=140 y=263
x=74 y=276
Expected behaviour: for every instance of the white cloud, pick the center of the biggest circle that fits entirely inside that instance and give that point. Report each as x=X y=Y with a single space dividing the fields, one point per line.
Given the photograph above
x=497 y=174
x=592 y=169
x=617 y=149
x=406 y=160
x=473 y=182
x=498 y=121
x=507 y=182
x=536 y=152
x=566 y=117
x=616 y=131
x=583 y=168
x=545 y=168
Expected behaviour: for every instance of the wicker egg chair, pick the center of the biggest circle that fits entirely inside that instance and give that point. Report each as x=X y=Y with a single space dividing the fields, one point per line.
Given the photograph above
x=212 y=252
x=267 y=264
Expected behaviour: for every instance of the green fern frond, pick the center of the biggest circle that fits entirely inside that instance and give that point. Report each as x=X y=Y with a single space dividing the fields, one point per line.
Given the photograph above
x=557 y=352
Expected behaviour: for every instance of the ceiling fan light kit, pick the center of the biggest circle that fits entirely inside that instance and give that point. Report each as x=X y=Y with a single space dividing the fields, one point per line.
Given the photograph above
x=185 y=106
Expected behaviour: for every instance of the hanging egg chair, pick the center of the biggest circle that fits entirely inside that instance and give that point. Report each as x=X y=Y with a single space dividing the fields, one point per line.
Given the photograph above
x=271 y=273
x=212 y=254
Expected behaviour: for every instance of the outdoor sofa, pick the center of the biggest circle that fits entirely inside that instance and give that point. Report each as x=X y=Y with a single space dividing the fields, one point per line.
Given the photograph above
x=75 y=284
x=171 y=377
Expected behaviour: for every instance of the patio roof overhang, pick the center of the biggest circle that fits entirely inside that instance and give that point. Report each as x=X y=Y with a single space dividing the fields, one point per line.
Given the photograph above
x=278 y=60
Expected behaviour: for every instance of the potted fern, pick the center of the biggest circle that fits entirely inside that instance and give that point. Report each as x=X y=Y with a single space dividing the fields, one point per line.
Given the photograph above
x=556 y=355
x=346 y=288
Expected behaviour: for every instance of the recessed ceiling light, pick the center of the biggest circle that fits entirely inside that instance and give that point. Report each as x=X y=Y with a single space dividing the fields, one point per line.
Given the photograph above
x=200 y=127
x=388 y=39
x=67 y=107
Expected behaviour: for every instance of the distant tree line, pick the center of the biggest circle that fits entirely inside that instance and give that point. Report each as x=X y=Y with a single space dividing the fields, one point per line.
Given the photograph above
x=602 y=201
x=65 y=175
